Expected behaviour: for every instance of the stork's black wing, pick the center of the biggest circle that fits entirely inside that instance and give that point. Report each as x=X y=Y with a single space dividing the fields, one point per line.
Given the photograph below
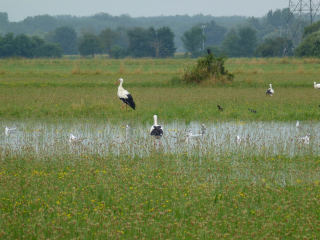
x=129 y=101
x=157 y=131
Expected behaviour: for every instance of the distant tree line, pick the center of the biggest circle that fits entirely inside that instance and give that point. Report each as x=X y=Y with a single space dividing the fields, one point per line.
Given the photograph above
x=28 y=47
x=231 y=36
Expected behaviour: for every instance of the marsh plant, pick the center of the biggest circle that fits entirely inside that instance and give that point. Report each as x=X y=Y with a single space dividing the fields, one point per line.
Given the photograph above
x=208 y=68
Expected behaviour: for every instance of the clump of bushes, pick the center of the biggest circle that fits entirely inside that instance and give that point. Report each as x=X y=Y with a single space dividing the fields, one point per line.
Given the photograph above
x=208 y=69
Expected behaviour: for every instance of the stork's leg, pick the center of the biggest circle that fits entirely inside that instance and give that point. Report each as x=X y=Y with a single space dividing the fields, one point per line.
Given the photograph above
x=126 y=107
x=122 y=107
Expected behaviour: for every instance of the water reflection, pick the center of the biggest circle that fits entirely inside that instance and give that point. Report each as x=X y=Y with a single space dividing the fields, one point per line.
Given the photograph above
x=261 y=138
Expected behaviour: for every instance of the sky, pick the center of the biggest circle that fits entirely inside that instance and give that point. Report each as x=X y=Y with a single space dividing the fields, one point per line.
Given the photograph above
x=20 y=9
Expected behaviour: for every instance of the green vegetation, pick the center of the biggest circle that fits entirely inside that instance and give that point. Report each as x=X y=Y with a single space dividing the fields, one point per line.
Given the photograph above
x=208 y=68
x=235 y=194
x=161 y=196
x=83 y=88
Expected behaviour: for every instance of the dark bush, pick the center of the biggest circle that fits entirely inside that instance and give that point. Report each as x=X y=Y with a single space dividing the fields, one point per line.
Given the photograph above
x=208 y=68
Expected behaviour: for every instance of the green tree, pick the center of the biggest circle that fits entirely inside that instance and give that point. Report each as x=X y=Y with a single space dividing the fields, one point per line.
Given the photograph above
x=214 y=33
x=273 y=47
x=67 y=37
x=89 y=44
x=193 y=40
x=45 y=23
x=314 y=27
x=107 y=38
x=117 y=52
x=122 y=39
x=230 y=44
x=28 y=47
x=50 y=50
x=165 y=41
x=3 y=18
x=140 y=41
x=310 y=47
x=7 y=45
x=24 y=46
x=248 y=41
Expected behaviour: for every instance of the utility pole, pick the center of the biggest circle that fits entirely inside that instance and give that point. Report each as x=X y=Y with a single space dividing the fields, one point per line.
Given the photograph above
x=203 y=26
x=304 y=11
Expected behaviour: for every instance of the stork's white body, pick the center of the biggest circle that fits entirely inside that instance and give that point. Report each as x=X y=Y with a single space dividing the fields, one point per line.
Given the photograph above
x=75 y=139
x=125 y=96
x=156 y=130
x=305 y=140
x=298 y=125
x=203 y=129
x=316 y=86
x=270 y=91
x=191 y=136
x=7 y=130
x=240 y=140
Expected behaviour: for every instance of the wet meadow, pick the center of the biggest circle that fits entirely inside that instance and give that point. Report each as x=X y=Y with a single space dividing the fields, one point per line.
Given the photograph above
x=120 y=184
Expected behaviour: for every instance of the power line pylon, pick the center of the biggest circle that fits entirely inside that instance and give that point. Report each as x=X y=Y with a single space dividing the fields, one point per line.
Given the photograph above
x=304 y=11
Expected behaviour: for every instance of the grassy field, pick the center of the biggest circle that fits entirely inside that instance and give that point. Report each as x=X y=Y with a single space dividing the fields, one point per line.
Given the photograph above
x=85 y=89
x=161 y=196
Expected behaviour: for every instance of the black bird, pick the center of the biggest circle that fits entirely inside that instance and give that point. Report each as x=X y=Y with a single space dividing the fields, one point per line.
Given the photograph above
x=208 y=51
x=253 y=111
x=220 y=108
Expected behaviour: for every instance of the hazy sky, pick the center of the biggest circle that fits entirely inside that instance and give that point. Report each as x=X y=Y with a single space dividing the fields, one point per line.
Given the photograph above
x=20 y=9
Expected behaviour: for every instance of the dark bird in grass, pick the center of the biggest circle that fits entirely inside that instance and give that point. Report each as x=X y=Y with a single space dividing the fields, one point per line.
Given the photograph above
x=253 y=111
x=319 y=106
x=208 y=51
x=220 y=108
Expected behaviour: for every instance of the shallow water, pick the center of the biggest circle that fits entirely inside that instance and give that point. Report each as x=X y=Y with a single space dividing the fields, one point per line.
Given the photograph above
x=262 y=138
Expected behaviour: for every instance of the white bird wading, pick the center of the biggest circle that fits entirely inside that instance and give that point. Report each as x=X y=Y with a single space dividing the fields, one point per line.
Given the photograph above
x=156 y=130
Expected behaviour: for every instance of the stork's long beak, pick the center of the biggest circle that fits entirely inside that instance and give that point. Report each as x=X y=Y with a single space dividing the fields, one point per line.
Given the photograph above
x=117 y=82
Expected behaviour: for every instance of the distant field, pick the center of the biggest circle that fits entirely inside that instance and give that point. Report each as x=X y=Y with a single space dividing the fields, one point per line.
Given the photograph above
x=83 y=88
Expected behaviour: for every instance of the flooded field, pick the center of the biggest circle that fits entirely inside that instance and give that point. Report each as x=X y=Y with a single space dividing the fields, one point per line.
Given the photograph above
x=257 y=138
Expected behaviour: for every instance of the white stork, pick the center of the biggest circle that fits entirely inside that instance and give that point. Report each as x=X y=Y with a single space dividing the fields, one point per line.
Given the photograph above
x=156 y=130
x=316 y=86
x=270 y=91
x=203 y=129
x=125 y=96
x=305 y=139
x=240 y=140
x=298 y=125
x=75 y=139
x=7 y=130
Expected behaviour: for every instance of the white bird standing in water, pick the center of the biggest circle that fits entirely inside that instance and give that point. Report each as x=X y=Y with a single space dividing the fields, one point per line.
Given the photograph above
x=75 y=139
x=240 y=140
x=305 y=140
x=156 y=130
x=125 y=96
x=298 y=126
x=7 y=130
x=203 y=129
x=270 y=91
x=316 y=86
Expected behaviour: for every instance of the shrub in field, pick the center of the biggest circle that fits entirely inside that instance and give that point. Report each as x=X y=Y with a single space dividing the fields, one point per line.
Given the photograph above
x=208 y=68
